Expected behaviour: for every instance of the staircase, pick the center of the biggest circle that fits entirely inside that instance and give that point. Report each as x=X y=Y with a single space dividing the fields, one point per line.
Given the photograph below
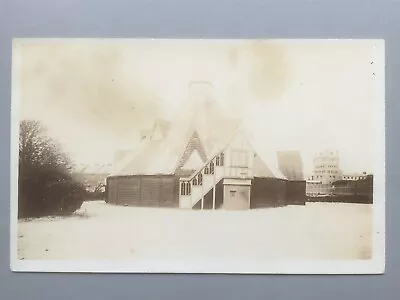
x=193 y=189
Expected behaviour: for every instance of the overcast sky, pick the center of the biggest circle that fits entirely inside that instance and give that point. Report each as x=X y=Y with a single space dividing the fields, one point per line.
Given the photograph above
x=94 y=95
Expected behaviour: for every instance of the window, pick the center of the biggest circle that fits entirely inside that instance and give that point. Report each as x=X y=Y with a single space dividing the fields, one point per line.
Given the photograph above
x=200 y=179
x=217 y=160
x=195 y=181
x=211 y=167
x=183 y=188
x=206 y=170
x=221 y=159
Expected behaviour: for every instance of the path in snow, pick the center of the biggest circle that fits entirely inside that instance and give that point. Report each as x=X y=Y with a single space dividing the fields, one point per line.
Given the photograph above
x=314 y=231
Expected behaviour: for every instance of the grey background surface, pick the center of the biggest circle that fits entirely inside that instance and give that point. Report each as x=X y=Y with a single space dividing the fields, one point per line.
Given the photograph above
x=204 y=19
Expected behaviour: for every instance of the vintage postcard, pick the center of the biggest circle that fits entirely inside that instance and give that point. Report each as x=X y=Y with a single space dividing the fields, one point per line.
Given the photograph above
x=198 y=156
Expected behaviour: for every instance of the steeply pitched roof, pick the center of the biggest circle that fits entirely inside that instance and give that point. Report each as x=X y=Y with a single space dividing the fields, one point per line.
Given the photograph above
x=202 y=114
x=162 y=156
x=265 y=163
x=194 y=143
x=153 y=157
x=92 y=168
x=165 y=156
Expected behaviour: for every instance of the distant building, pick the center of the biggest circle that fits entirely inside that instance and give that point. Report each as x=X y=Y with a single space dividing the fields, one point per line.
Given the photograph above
x=359 y=186
x=326 y=170
x=355 y=176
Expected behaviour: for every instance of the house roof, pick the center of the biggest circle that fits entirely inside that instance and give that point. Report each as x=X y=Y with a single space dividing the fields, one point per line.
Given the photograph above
x=265 y=162
x=153 y=157
x=92 y=168
x=163 y=156
x=204 y=115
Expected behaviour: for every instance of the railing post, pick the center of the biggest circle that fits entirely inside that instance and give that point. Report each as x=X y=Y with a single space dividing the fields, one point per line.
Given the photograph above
x=202 y=189
x=214 y=184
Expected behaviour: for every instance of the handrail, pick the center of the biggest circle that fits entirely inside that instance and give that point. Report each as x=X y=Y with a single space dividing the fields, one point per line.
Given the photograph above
x=202 y=168
x=211 y=159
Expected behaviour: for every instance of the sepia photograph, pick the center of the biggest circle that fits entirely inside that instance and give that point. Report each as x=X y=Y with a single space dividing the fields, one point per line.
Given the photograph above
x=198 y=156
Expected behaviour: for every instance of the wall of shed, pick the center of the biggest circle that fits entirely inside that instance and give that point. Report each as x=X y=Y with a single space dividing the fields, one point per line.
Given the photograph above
x=296 y=192
x=143 y=190
x=268 y=192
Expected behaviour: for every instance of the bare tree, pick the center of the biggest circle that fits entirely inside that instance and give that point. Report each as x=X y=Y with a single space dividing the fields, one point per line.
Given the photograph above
x=45 y=182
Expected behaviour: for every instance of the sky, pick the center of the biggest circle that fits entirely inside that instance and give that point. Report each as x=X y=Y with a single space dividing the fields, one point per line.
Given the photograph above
x=95 y=95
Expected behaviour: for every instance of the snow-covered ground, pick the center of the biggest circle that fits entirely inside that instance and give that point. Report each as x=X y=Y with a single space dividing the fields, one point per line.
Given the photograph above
x=102 y=231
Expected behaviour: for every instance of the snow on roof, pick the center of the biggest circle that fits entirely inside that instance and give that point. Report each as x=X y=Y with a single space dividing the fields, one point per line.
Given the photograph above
x=162 y=156
x=215 y=129
x=92 y=168
x=151 y=158
x=265 y=162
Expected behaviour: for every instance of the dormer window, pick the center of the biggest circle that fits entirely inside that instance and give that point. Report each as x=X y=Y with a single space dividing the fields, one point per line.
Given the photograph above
x=194 y=181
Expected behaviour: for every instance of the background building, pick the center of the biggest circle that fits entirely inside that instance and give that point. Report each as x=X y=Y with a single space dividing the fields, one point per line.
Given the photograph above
x=326 y=170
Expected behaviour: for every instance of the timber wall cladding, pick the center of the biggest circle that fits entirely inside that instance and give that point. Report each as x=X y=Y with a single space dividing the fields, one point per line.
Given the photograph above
x=268 y=192
x=111 y=190
x=296 y=192
x=153 y=191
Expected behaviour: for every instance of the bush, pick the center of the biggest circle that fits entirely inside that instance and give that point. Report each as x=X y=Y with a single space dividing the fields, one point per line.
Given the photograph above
x=45 y=183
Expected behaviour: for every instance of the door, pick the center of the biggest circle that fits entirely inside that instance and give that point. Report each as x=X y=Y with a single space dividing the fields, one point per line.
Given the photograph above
x=236 y=197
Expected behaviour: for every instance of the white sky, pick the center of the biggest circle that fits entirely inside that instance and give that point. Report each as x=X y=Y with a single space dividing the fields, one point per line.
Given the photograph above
x=94 y=95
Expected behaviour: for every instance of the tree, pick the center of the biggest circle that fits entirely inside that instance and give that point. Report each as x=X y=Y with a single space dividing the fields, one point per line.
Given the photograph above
x=45 y=182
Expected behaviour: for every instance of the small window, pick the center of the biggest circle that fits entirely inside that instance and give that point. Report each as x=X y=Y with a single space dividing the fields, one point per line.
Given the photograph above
x=188 y=188
x=200 y=179
x=183 y=188
x=211 y=168
x=194 y=181
x=217 y=160
x=206 y=170
x=221 y=163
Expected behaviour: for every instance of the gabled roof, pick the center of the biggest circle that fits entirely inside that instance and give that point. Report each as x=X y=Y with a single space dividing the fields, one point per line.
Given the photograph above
x=265 y=164
x=153 y=157
x=161 y=156
x=194 y=143
x=203 y=115
x=92 y=168
x=165 y=156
